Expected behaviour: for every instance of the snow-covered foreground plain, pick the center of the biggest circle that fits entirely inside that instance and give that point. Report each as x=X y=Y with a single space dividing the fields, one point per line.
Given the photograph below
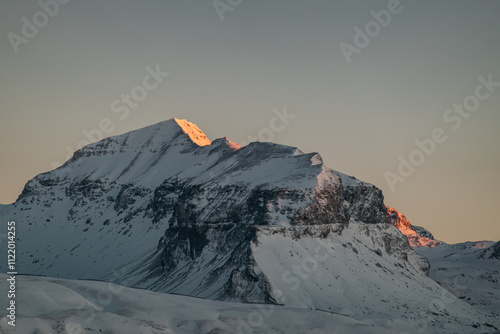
x=48 y=305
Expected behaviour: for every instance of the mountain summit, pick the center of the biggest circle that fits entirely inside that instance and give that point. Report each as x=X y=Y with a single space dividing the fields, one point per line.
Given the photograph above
x=166 y=209
x=196 y=135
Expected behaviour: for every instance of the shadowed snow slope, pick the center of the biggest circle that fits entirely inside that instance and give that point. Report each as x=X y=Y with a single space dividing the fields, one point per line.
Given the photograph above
x=166 y=209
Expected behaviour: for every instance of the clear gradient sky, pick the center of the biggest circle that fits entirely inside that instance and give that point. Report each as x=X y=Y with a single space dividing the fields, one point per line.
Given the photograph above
x=228 y=75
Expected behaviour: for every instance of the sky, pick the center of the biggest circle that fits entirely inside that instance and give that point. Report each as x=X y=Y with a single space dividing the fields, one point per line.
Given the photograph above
x=402 y=94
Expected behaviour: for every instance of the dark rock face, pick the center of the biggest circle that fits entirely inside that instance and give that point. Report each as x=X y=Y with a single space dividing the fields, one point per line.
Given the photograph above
x=495 y=254
x=422 y=232
x=216 y=258
x=327 y=208
x=417 y=236
x=492 y=276
x=366 y=204
x=492 y=252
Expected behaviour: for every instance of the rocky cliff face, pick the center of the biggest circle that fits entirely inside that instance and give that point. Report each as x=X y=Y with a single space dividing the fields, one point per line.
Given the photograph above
x=491 y=252
x=417 y=236
x=165 y=208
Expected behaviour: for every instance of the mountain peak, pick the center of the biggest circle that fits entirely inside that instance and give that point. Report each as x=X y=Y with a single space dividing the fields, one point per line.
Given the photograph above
x=417 y=236
x=193 y=131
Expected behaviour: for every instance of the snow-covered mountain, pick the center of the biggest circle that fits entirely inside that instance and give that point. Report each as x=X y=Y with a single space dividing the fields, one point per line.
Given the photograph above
x=469 y=270
x=417 y=236
x=492 y=252
x=462 y=269
x=166 y=209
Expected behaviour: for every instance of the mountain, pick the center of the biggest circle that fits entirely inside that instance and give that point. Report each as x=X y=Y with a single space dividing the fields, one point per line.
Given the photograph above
x=417 y=236
x=491 y=252
x=166 y=209
x=469 y=270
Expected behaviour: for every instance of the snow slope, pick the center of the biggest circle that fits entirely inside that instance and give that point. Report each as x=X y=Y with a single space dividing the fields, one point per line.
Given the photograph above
x=336 y=274
x=48 y=305
x=469 y=270
x=463 y=270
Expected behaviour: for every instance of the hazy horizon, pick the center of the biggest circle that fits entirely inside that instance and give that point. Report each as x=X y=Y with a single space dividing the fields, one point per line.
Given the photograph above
x=361 y=111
